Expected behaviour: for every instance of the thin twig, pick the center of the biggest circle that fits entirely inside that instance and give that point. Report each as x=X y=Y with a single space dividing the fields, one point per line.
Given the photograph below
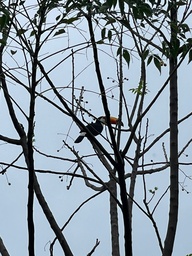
x=95 y=246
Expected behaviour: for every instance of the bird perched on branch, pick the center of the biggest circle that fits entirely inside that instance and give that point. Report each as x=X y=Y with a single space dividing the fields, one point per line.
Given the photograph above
x=97 y=127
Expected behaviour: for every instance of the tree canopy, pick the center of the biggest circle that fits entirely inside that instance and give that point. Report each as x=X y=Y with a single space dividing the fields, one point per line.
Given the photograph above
x=63 y=64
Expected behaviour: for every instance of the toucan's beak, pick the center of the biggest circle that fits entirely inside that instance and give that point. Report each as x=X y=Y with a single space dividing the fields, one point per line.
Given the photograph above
x=114 y=120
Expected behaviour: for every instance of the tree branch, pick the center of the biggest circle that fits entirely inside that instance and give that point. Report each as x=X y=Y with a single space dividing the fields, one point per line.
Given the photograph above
x=3 y=249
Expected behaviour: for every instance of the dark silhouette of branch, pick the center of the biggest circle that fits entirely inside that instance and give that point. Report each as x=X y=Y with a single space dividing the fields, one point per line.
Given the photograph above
x=10 y=140
x=3 y=249
x=51 y=219
x=174 y=170
x=11 y=164
x=95 y=246
x=119 y=165
x=150 y=215
x=17 y=125
x=72 y=215
x=163 y=133
x=158 y=202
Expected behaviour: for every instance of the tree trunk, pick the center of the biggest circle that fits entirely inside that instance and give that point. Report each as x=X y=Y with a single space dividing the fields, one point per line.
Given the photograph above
x=114 y=218
x=174 y=191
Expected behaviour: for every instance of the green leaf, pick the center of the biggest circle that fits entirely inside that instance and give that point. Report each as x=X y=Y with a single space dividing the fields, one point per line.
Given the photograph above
x=110 y=21
x=100 y=42
x=110 y=3
x=69 y=21
x=190 y=56
x=13 y=52
x=145 y=54
x=139 y=89
x=119 y=50
x=121 y=6
x=126 y=56
x=22 y=2
x=59 y=32
x=180 y=3
x=149 y=59
x=146 y=9
x=21 y=31
x=185 y=27
x=136 y=13
x=3 y=41
x=103 y=31
x=58 y=17
x=114 y=3
x=3 y=22
x=189 y=41
x=157 y=63
x=142 y=25
x=109 y=35
x=4 y=18
x=125 y=23
x=166 y=49
x=103 y=8
x=141 y=9
x=33 y=32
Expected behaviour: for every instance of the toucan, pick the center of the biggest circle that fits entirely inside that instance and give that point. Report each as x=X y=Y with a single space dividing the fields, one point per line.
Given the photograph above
x=97 y=127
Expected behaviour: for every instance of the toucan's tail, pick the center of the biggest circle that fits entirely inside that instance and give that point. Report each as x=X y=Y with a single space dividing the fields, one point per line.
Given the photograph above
x=79 y=139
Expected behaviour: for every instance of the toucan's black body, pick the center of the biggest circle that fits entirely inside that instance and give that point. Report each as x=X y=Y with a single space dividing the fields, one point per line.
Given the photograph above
x=94 y=128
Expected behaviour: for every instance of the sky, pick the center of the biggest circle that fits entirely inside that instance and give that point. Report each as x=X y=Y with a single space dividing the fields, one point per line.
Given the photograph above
x=52 y=127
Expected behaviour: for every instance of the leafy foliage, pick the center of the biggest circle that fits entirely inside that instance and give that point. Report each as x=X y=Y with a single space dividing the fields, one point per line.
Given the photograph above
x=140 y=89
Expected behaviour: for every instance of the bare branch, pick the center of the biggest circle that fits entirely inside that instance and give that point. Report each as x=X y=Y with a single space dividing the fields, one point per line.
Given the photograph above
x=9 y=140
x=3 y=249
x=95 y=246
